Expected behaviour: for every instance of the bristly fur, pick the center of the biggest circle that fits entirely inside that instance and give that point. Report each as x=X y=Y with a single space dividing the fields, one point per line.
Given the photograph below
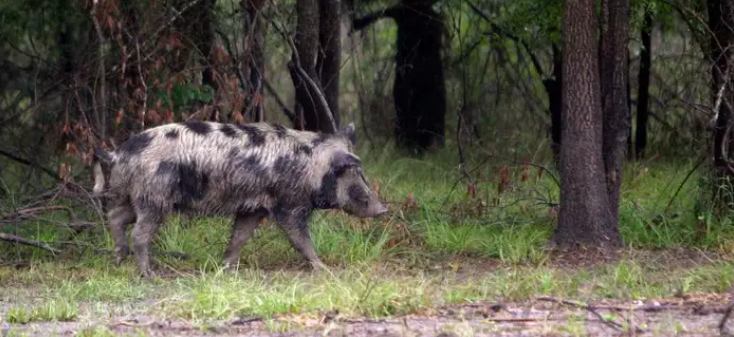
x=245 y=171
x=196 y=169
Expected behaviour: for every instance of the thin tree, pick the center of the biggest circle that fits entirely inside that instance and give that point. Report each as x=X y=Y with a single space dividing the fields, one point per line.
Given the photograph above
x=643 y=93
x=255 y=56
x=615 y=102
x=721 y=23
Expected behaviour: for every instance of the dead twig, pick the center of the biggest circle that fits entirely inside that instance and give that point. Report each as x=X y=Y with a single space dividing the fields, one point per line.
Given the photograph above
x=680 y=187
x=614 y=325
x=17 y=239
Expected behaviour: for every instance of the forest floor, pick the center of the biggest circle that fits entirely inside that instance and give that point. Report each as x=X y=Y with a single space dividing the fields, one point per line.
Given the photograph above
x=454 y=299
x=699 y=317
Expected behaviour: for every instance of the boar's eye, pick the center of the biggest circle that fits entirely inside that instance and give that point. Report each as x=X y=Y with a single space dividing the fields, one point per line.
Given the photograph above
x=356 y=193
x=343 y=161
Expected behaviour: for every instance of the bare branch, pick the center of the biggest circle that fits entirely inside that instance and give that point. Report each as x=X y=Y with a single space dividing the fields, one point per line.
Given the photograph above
x=304 y=76
x=145 y=87
x=26 y=162
x=101 y=117
x=499 y=30
x=17 y=239
x=160 y=29
x=288 y=112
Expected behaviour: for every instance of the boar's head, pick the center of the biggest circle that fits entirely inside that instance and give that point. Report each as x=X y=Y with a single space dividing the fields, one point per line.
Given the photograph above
x=345 y=186
x=353 y=193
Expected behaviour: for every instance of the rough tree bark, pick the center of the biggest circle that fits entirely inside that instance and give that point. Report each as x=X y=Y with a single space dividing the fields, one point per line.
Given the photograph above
x=313 y=116
x=255 y=57
x=721 y=21
x=614 y=75
x=643 y=93
x=328 y=62
x=419 y=90
x=584 y=217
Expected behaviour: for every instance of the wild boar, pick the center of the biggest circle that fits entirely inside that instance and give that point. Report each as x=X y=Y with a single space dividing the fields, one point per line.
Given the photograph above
x=247 y=171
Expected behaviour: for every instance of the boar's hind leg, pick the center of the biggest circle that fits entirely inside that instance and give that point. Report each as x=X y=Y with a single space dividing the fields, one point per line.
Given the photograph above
x=142 y=234
x=294 y=224
x=119 y=217
x=242 y=229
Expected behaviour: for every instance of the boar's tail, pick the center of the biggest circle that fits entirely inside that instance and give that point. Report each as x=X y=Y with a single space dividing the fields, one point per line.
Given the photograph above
x=100 y=157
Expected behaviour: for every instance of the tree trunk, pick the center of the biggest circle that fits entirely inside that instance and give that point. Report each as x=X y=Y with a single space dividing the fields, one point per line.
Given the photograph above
x=419 y=90
x=643 y=93
x=721 y=19
x=328 y=63
x=584 y=217
x=255 y=56
x=315 y=116
x=614 y=76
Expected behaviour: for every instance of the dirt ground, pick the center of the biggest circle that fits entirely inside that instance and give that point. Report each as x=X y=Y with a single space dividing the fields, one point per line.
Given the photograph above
x=689 y=316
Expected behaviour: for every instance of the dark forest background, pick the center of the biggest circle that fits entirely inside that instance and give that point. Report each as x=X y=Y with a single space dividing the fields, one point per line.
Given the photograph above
x=584 y=96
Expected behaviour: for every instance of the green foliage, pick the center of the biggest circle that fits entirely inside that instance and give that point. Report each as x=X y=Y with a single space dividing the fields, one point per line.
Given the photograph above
x=183 y=95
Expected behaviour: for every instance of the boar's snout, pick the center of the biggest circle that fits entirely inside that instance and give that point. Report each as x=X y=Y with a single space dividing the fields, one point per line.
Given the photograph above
x=374 y=208
x=381 y=210
x=362 y=202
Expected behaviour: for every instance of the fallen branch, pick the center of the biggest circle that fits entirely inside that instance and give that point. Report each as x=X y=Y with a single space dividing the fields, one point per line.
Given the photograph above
x=31 y=211
x=17 y=239
x=722 y=323
x=26 y=162
x=614 y=325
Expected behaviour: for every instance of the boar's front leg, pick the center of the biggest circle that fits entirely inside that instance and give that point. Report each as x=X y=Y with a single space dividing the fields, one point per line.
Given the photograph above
x=244 y=226
x=294 y=223
x=119 y=217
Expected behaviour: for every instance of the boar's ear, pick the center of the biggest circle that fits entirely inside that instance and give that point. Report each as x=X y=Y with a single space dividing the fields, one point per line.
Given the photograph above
x=349 y=132
x=344 y=160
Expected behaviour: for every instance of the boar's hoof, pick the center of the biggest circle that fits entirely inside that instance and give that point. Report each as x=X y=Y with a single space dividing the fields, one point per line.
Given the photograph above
x=147 y=274
x=319 y=266
x=231 y=266
x=120 y=255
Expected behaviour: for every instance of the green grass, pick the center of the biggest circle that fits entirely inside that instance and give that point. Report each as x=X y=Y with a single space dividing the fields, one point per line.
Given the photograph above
x=439 y=245
x=56 y=309
x=366 y=289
